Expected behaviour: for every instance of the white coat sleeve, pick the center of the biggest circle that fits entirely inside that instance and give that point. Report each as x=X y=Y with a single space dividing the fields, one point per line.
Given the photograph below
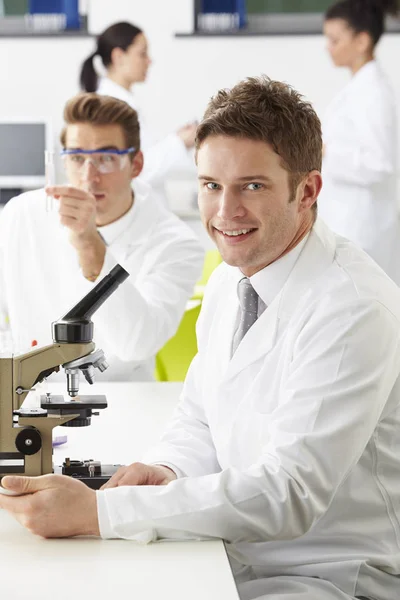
x=344 y=364
x=163 y=157
x=142 y=314
x=370 y=155
x=189 y=422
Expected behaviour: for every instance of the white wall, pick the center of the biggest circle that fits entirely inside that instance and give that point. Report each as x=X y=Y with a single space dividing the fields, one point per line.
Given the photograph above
x=37 y=76
x=187 y=71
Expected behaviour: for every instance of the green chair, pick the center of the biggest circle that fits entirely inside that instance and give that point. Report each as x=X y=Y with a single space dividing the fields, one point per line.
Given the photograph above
x=211 y=261
x=174 y=358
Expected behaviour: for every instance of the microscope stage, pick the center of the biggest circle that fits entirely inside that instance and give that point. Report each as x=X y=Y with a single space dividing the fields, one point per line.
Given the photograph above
x=58 y=402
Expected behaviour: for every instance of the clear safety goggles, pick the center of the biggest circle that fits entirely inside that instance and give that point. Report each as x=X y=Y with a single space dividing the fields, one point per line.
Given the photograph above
x=104 y=161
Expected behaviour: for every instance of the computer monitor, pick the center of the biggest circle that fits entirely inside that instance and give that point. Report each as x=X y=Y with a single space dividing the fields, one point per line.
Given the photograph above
x=22 y=146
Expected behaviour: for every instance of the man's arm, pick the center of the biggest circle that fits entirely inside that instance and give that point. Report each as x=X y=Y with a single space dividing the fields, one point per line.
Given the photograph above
x=73 y=505
x=52 y=505
x=145 y=312
x=141 y=316
x=187 y=446
x=91 y=252
x=344 y=366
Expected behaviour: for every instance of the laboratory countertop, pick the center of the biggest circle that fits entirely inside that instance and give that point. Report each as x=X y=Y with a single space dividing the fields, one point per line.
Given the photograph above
x=80 y=568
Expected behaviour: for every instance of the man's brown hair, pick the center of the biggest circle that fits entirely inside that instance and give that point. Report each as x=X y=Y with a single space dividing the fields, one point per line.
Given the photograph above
x=261 y=109
x=102 y=110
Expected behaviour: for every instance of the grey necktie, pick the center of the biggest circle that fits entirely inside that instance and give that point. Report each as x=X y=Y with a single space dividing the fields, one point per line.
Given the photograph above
x=248 y=300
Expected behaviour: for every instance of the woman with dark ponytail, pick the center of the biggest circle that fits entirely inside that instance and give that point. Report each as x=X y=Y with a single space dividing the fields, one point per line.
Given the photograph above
x=88 y=78
x=123 y=50
x=359 y=196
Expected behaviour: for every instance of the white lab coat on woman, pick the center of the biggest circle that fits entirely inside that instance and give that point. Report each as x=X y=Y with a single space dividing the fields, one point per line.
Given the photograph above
x=41 y=279
x=160 y=157
x=359 y=195
x=290 y=448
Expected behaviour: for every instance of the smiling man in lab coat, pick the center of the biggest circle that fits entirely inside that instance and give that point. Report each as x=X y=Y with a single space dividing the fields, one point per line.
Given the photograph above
x=286 y=442
x=49 y=260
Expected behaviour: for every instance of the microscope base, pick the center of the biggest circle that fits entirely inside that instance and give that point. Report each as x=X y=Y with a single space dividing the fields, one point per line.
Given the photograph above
x=80 y=470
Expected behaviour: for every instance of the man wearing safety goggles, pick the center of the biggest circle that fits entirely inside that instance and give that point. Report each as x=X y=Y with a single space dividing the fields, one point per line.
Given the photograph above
x=104 y=161
x=101 y=217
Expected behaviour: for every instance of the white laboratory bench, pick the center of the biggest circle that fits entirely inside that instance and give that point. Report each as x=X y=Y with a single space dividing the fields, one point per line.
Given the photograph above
x=82 y=568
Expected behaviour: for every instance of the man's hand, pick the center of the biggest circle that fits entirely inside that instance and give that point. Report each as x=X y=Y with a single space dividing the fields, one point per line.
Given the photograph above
x=77 y=210
x=140 y=474
x=53 y=505
x=78 y=213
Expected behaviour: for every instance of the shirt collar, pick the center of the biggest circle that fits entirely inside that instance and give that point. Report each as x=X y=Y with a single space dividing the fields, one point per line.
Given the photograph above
x=269 y=281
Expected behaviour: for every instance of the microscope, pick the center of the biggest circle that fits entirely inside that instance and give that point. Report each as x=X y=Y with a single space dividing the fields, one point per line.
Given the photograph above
x=26 y=433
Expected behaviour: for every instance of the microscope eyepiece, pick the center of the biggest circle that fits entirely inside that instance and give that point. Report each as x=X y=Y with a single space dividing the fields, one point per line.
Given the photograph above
x=75 y=327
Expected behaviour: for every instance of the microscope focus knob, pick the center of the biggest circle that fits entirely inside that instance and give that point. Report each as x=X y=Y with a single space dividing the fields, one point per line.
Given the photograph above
x=28 y=441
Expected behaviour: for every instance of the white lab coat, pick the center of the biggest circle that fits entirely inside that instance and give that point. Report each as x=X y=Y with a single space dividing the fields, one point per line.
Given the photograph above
x=41 y=279
x=291 y=448
x=359 y=195
x=161 y=157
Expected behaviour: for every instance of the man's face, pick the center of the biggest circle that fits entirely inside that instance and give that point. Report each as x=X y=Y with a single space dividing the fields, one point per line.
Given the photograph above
x=112 y=191
x=244 y=202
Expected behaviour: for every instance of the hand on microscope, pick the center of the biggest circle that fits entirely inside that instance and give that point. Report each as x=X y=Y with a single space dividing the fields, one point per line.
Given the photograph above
x=52 y=506
x=141 y=474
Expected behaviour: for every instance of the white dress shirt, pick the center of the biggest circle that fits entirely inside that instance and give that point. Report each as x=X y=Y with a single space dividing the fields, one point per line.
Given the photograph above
x=289 y=450
x=269 y=281
x=41 y=280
